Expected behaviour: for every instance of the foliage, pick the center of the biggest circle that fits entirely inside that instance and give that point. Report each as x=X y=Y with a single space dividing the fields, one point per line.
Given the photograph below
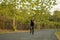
x=18 y=13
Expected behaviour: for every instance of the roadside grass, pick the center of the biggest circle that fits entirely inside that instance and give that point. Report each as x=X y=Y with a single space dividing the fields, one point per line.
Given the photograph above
x=4 y=31
x=10 y=31
x=57 y=33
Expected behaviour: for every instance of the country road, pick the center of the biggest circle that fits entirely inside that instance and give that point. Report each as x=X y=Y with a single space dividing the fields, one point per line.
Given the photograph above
x=38 y=35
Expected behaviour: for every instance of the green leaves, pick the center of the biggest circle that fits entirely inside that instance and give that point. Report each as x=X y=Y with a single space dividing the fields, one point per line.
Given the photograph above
x=24 y=10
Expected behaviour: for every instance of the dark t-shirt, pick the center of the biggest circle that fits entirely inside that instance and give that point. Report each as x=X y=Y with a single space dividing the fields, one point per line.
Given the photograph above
x=32 y=23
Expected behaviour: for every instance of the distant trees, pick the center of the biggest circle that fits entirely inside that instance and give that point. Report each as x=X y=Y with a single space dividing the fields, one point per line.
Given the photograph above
x=17 y=13
x=57 y=16
x=8 y=10
x=55 y=19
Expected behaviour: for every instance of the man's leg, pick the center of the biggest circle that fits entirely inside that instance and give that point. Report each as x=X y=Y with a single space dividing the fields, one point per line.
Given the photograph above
x=32 y=30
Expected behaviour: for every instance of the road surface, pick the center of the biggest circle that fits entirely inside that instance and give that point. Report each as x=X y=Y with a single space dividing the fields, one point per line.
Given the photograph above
x=38 y=35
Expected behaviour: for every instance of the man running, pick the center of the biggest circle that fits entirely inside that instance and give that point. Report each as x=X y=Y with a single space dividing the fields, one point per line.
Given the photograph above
x=32 y=26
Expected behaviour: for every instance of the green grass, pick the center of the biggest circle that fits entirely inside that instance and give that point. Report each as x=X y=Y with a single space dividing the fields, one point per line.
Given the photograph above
x=9 y=31
x=4 y=31
x=58 y=35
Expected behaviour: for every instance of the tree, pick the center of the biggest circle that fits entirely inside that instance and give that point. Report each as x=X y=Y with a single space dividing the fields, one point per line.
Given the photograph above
x=9 y=10
x=24 y=10
x=39 y=5
x=56 y=16
x=36 y=8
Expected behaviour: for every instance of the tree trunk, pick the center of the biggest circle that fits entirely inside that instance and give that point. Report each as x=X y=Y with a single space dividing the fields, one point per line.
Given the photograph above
x=14 y=24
